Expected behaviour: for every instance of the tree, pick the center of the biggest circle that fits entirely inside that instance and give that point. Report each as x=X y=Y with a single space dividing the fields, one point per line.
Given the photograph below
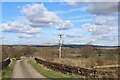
x=27 y=51
x=86 y=51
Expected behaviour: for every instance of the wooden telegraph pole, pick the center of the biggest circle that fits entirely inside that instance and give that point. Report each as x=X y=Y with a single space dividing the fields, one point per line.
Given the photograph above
x=60 y=46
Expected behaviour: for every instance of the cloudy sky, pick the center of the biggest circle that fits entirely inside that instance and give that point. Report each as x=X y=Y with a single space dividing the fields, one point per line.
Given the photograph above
x=42 y=22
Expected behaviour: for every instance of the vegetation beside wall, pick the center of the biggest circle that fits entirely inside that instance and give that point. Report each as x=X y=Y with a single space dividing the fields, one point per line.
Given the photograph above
x=51 y=73
x=7 y=72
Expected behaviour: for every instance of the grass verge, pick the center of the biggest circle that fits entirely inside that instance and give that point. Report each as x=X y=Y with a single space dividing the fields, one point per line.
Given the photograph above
x=51 y=73
x=7 y=72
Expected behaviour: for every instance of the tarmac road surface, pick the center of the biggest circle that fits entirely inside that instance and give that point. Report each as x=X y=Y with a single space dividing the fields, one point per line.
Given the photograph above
x=23 y=69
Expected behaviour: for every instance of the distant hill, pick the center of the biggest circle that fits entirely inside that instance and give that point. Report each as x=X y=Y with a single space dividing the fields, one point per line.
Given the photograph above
x=68 y=45
x=51 y=44
x=57 y=45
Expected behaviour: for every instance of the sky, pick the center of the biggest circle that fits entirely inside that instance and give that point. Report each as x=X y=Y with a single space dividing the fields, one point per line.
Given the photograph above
x=42 y=22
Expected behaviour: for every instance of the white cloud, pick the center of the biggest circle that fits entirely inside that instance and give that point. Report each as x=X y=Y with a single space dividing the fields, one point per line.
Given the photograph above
x=105 y=20
x=74 y=1
x=103 y=8
x=16 y=27
x=39 y=16
x=24 y=35
x=78 y=16
x=21 y=30
x=73 y=35
x=82 y=20
x=107 y=39
x=99 y=7
x=91 y=40
x=35 y=16
x=70 y=10
x=65 y=25
x=98 y=29
x=11 y=26
x=30 y=30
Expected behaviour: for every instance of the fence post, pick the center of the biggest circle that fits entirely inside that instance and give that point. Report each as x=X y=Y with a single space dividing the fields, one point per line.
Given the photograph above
x=94 y=72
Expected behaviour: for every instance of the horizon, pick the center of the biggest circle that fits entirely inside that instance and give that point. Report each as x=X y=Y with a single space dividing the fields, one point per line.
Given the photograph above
x=42 y=22
x=64 y=44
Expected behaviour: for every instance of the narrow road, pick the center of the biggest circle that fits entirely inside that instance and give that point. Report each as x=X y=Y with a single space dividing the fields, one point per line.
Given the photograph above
x=23 y=69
